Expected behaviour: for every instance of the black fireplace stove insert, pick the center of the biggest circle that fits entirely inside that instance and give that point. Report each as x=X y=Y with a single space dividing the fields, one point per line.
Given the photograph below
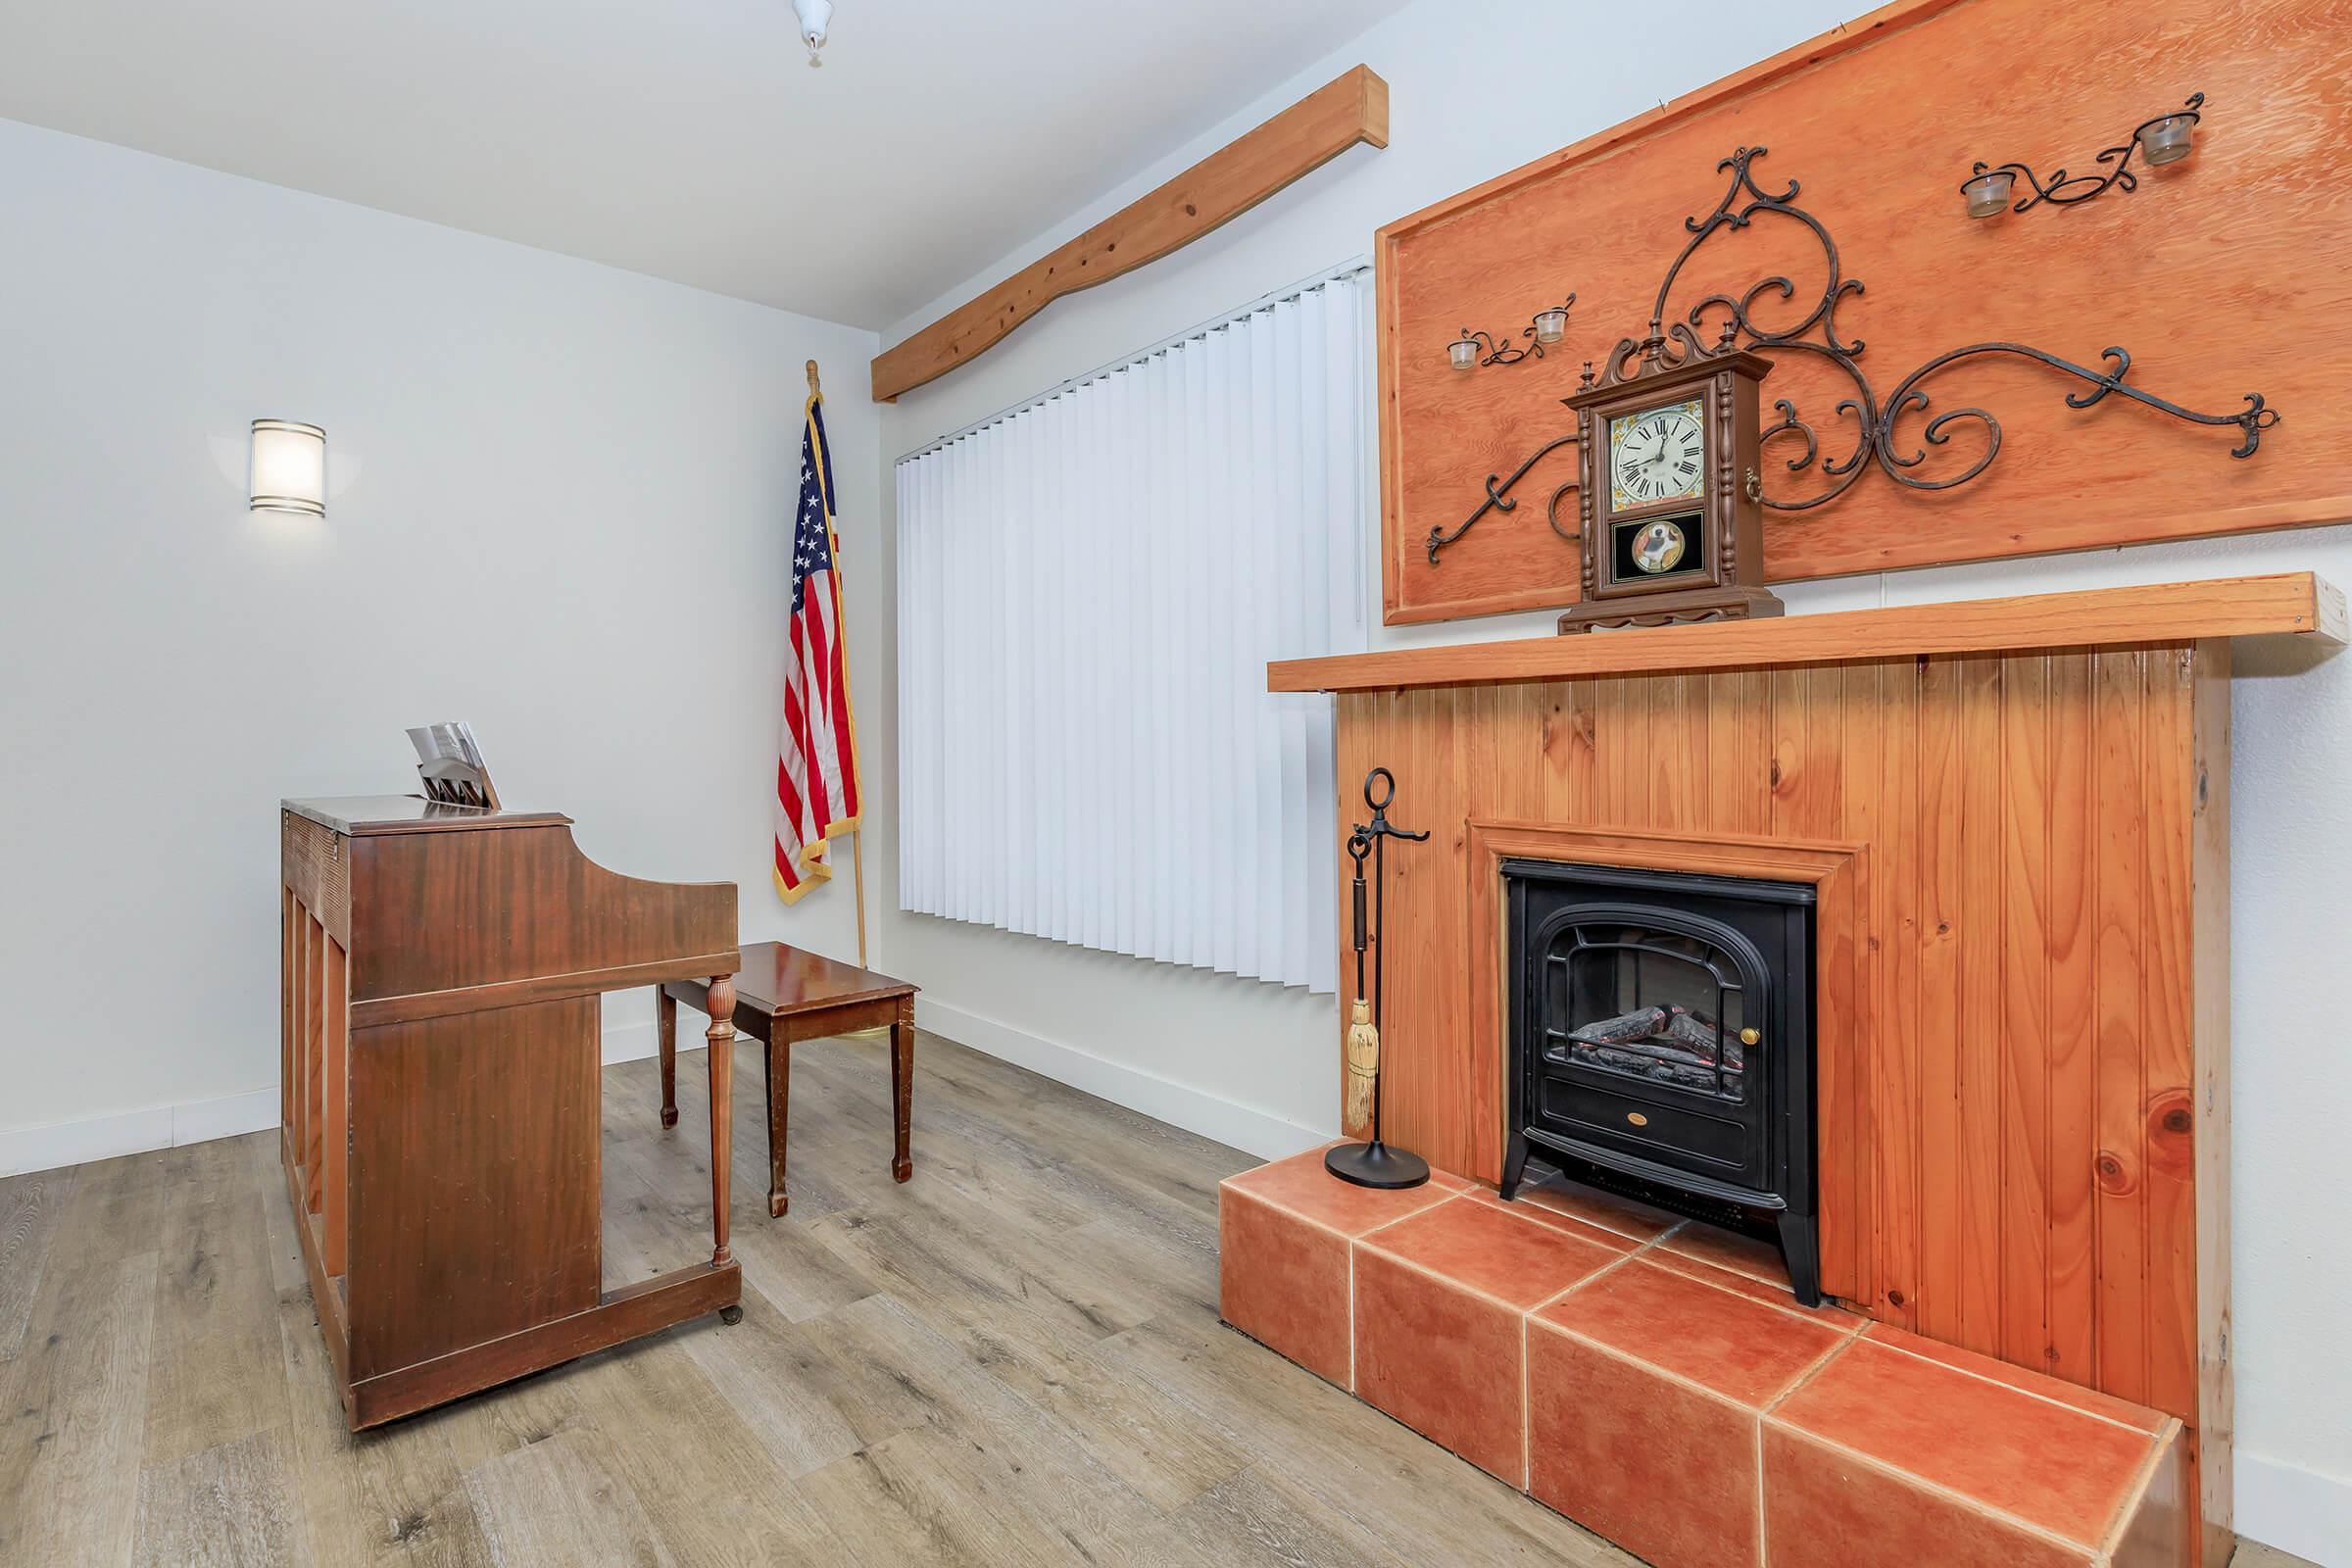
x=1661 y=1043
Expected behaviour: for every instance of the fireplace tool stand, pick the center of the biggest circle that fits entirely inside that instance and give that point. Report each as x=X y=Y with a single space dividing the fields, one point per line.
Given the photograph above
x=1374 y=1163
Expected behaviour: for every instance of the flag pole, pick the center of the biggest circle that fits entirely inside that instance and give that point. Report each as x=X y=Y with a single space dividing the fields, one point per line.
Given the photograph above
x=858 y=859
x=857 y=834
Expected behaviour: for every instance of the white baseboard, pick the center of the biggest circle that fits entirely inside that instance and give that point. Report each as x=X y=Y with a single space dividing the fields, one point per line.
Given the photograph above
x=1243 y=1127
x=135 y=1132
x=2293 y=1510
x=634 y=1042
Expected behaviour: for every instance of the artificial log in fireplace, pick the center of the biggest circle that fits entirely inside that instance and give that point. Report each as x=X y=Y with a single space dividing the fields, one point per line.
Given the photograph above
x=1660 y=1039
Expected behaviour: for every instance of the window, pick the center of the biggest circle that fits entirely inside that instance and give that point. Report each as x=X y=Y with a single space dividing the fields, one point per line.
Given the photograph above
x=1090 y=586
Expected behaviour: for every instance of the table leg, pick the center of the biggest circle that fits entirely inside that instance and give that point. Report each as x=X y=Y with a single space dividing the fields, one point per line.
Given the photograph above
x=901 y=1084
x=666 y=1030
x=779 y=1105
x=722 y=1037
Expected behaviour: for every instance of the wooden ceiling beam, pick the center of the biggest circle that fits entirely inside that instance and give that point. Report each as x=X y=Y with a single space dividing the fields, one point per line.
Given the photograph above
x=1353 y=107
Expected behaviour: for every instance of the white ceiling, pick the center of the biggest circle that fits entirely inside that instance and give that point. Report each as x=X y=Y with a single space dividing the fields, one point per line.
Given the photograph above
x=684 y=139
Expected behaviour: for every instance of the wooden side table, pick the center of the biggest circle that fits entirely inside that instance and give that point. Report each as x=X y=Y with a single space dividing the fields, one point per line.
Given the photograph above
x=783 y=994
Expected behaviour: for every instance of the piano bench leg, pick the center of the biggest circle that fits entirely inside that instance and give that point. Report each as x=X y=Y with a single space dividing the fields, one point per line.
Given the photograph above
x=901 y=1088
x=779 y=1108
x=665 y=1031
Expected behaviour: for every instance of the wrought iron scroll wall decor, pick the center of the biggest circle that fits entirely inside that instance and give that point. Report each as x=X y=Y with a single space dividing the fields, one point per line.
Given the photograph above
x=1546 y=325
x=1816 y=333
x=1500 y=499
x=2165 y=140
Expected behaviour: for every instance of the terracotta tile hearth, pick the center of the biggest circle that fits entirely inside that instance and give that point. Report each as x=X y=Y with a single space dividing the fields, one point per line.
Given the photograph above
x=1440 y=1302
x=1656 y=1382
x=1282 y=1255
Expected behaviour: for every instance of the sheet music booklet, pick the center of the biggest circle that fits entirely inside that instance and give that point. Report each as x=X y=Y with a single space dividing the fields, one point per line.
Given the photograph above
x=450 y=761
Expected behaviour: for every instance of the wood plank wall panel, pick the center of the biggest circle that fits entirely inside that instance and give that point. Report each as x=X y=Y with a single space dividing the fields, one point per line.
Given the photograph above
x=2010 y=1163
x=2169 y=1069
x=2070 y=1280
x=1893 y=1061
x=2209 y=984
x=2119 y=838
x=1878 y=122
x=2021 y=1063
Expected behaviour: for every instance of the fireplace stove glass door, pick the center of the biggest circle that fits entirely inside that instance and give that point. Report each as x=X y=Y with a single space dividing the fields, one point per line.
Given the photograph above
x=1647 y=1004
x=1639 y=1021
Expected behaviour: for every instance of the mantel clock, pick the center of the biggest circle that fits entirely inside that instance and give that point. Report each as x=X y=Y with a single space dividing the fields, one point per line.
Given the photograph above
x=1671 y=499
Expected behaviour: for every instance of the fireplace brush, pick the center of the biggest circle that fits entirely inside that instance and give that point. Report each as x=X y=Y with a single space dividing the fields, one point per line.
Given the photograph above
x=1372 y=1163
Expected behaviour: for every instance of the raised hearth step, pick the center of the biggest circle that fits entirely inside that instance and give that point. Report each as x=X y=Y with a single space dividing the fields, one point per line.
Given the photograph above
x=1654 y=1380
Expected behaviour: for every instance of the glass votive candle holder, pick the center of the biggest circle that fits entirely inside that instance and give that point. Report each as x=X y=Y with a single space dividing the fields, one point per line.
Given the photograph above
x=1462 y=352
x=1989 y=193
x=1552 y=326
x=2166 y=140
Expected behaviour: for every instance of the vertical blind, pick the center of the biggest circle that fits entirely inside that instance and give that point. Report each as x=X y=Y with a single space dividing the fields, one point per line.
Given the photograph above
x=1090 y=586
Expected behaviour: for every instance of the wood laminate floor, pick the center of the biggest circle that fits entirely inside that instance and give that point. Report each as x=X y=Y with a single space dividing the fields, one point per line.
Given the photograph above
x=1012 y=1360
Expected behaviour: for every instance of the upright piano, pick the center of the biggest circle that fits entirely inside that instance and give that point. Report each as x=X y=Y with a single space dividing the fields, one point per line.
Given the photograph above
x=444 y=970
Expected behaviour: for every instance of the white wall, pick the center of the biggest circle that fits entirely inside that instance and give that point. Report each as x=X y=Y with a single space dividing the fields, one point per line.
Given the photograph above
x=1255 y=1064
x=560 y=507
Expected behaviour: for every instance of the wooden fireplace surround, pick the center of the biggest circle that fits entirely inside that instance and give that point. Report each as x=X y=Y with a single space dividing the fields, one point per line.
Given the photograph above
x=2017 y=813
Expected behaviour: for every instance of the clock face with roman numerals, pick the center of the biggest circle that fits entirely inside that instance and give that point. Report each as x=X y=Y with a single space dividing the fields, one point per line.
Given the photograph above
x=1657 y=454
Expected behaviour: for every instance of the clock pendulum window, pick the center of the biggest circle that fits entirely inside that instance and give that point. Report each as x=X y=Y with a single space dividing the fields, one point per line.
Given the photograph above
x=1670 y=512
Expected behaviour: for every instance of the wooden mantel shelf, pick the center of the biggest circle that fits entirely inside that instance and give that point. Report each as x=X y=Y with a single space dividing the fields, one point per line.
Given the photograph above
x=2294 y=603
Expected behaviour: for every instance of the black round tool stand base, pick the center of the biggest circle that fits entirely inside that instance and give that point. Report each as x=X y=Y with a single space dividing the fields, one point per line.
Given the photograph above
x=1376 y=1164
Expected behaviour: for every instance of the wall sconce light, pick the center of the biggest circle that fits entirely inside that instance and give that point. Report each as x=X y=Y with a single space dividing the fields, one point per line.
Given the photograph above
x=1473 y=349
x=2166 y=139
x=289 y=468
x=816 y=21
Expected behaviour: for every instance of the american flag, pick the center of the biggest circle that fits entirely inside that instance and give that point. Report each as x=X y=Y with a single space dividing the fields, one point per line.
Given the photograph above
x=816 y=774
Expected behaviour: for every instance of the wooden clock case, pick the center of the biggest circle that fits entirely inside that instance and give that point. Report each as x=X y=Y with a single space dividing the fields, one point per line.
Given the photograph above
x=1729 y=528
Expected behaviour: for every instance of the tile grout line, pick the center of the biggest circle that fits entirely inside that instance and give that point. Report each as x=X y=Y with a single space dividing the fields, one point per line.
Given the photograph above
x=1763 y=1549
x=1520 y=1208
x=1350 y=1250
x=2136 y=1494
x=1527 y=1410
x=1574 y=1286
x=1425 y=1208
x=1448 y=1280
x=1660 y=1241
x=1329 y=1229
x=1818 y=1366
x=1927 y=1483
x=2029 y=1394
x=1663 y=1374
x=1522 y=1215
x=1801 y=1314
x=1806 y=1314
